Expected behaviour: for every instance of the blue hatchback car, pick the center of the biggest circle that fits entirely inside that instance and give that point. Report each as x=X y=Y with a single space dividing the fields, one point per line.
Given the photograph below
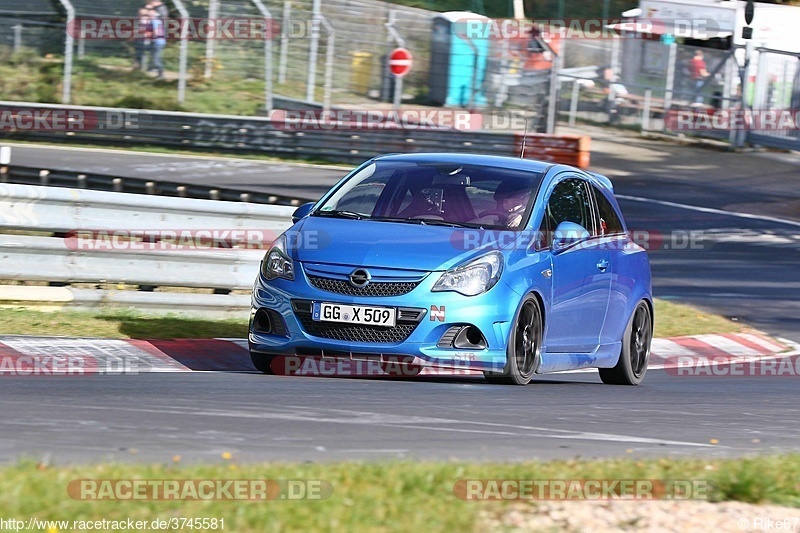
x=513 y=267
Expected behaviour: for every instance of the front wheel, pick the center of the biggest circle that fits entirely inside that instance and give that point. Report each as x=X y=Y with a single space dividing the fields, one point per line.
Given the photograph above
x=262 y=362
x=524 y=352
x=635 y=353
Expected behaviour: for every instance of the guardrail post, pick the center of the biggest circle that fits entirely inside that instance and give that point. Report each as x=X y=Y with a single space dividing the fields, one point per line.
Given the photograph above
x=400 y=43
x=150 y=187
x=81 y=181
x=762 y=80
x=648 y=95
x=267 y=55
x=17 y=38
x=44 y=177
x=66 y=92
x=573 y=105
x=81 y=45
x=181 y=191
x=211 y=40
x=552 y=107
x=287 y=14
x=117 y=184
x=245 y=197
x=213 y=194
x=311 y=82
x=670 y=83
x=329 y=58
x=184 y=54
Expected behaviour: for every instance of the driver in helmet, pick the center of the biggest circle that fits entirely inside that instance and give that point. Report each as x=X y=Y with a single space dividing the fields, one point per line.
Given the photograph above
x=512 y=199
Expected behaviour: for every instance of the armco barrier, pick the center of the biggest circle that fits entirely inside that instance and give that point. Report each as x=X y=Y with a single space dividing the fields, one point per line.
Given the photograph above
x=226 y=133
x=115 y=220
x=107 y=182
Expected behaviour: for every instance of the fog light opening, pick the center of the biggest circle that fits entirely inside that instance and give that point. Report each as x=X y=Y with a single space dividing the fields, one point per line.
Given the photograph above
x=262 y=323
x=470 y=338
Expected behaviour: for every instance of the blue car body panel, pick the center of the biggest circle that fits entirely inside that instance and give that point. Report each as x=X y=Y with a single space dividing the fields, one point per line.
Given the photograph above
x=586 y=310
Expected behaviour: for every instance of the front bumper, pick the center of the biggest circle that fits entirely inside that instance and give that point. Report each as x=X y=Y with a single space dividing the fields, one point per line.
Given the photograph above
x=425 y=318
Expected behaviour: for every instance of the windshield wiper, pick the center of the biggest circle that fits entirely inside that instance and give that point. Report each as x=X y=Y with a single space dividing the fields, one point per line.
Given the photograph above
x=399 y=219
x=425 y=222
x=340 y=214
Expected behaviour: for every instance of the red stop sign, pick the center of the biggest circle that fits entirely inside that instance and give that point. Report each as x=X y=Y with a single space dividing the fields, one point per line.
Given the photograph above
x=400 y=61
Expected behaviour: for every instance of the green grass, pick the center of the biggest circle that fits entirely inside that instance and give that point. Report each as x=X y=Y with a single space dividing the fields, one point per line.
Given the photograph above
x=117 y=325
x=672 y=320
x=388 y=496
x=112 y=82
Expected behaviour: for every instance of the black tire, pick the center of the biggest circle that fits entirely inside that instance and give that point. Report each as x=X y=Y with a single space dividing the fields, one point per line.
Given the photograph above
x=635 y=354
x=262 y=362
x=524 y=351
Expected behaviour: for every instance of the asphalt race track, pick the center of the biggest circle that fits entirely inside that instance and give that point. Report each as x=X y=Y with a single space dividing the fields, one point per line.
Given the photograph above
x=723 y=230
x=200 y=415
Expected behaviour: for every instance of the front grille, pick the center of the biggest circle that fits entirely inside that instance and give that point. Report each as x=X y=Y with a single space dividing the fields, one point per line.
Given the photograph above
x=407 y=320
x=375 y=288
x=355 y=332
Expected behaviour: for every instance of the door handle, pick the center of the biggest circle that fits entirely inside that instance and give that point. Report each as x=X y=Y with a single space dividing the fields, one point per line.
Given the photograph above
x=603 y=265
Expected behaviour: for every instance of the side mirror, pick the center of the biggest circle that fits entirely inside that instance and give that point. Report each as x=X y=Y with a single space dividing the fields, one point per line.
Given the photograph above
x=301 y=212
x=568 y=234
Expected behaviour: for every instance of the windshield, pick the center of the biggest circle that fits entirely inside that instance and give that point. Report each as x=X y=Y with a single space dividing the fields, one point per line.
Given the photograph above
x=436 y=193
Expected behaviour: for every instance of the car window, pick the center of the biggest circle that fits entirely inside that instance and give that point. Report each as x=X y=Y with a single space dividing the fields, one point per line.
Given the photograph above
x=363 y=197
x=570 y=202
x=610 y=222
x=464 y=194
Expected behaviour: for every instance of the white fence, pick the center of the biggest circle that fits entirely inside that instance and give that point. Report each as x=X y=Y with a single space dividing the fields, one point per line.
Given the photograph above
x=106 y=238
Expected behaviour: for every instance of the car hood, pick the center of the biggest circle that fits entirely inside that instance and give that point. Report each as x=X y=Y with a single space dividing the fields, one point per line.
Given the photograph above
x=390 y=244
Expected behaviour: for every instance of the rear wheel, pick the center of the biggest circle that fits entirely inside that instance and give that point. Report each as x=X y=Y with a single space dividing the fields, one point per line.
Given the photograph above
x=524 y=352
x=262 y=362
x=635 y=353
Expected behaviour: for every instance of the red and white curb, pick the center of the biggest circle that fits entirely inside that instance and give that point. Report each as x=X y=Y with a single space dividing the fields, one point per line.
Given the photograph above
x=24 y=355
x=665 y=353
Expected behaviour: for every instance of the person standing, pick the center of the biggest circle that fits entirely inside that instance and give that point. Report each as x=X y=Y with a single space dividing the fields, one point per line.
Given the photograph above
x=697 y=68
x=161 y=10
x=143 y=38
x=159 y=36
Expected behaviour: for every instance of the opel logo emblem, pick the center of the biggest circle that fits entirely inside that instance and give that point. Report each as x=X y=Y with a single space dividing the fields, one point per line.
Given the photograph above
x=359 y=278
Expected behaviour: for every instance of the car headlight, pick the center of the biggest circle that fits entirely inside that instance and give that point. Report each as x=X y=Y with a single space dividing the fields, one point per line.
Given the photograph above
x=476 y=277
x=276 y=262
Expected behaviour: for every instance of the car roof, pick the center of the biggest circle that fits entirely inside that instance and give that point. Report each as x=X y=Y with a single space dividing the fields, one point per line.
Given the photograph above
x=512 y=163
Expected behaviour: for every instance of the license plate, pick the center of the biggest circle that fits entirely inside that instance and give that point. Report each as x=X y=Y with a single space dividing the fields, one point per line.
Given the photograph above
x=354 y=314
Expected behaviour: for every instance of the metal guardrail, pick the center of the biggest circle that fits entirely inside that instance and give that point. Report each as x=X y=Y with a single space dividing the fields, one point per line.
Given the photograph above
x=112 y=238
x=225 y=133
x=107 y=182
